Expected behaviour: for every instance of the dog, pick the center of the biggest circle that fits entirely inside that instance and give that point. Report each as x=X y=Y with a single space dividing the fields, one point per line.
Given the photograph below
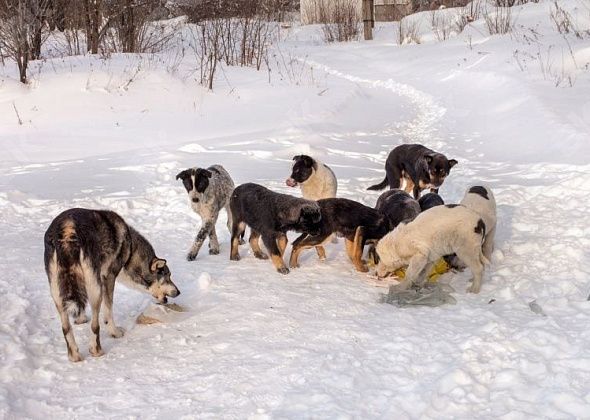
x=209 y=191
x=316 y=179
x=430 y=200
x=85 y=251
x=440 y=231
x=398 y=206
x=355 y=221
x=481 y=200
x=417 y=168
x=270 y=215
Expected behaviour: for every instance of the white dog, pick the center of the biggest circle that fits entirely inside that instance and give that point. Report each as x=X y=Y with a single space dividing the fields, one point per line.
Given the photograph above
x=481 y=200
x=440 y=231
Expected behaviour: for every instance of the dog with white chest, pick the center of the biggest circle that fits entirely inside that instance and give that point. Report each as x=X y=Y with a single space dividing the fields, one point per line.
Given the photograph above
x=440 y=231
x=209 y=191
x=316 y=179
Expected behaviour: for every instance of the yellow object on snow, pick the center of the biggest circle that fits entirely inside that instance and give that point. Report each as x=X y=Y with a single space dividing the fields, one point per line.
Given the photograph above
x=439 y=268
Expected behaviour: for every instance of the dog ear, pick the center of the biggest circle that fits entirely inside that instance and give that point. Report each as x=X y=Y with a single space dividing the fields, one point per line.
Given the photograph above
x=452 y=162
x=184 y=174
x=157 y=264
x=296 y=158
x=428 y=159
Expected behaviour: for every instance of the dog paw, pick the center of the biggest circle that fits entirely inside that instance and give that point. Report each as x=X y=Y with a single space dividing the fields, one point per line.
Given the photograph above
x=294 y=265
x=191 y=257
x=363 y=268
x=213 y=251
x=261 y=255
x=96 y=352
x=75 y=357
x=242 y=242
x=235 y=257
x=117 y=332
x=473 y=289
x=283 y=270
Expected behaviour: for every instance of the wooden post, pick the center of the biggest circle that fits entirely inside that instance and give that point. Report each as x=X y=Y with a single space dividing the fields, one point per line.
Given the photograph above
x=368 y=19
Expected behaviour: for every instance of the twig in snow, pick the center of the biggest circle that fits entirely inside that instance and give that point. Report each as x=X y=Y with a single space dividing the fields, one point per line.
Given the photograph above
x=20 y=122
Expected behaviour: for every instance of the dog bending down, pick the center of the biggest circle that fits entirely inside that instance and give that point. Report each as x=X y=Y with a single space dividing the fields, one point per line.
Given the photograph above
x=355 y=221
x=209 y=191
x=85 y=251
x=440 y=231
x=270 y=215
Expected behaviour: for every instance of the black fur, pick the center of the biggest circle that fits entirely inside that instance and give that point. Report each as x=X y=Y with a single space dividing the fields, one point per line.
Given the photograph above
x=418 y=165
x=303 y=168
x=202 y=177
x=271 y=215
x=430 y=200
x=481 y=191
x=480 y=228
x=452 y=206
x=398 y=206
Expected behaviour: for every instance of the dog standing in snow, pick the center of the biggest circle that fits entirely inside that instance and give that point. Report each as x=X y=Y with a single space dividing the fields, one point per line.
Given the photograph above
x=316 y=179
x=440 y=231
x=209 y=191
x=85 y=251
x=481 y=200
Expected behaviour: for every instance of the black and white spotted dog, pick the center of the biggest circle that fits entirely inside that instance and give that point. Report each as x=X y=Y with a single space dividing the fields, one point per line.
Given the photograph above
x=209 y=191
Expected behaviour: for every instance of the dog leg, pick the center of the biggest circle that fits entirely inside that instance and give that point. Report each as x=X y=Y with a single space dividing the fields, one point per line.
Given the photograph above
x=270 y=242
x=237 y=230
x=488 y=243
x=416 y=191
x=95 y=298
x=415 y=269
x=357 y=251
x=321 y=252
x=282 y=244
x=108 y=289
x=305 y=241
x=199 y=239
x=255 y=245
x=473 y=261
x=230 y=224
x=213 y=242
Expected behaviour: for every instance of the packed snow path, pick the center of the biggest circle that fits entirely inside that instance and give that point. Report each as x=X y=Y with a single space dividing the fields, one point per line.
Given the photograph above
x=315 y=343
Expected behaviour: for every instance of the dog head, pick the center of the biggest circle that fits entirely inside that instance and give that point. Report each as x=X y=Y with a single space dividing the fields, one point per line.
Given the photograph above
x=310 y=217
x=196 y=181
x=386 y=255
x=303 y=167
x=160 y=283
x=438 y=167
x=427 y=201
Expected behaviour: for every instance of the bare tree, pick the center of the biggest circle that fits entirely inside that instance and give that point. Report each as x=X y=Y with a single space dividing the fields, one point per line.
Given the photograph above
x=21 y=31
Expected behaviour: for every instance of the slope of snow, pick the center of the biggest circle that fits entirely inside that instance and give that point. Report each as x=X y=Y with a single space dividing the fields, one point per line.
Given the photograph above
x=316 y=343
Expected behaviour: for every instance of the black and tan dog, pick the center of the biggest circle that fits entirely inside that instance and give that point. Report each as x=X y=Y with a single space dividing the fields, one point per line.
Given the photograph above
x=270 y=215
x=415 y=168
x=430 y=200
x=354 y=221
x=85 y=251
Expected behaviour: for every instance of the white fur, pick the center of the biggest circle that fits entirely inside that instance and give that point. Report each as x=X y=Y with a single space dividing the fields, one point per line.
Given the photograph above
x=487 y=211
x=321 y=184
x=437 y=232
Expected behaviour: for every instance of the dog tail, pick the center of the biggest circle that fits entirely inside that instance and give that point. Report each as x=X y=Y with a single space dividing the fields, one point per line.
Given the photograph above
x=64 y=269
x=378 y=187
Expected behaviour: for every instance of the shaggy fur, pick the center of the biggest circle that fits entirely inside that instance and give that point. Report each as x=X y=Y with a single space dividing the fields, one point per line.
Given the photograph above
x=270 y=215
x=416 y=167
x=85 y=251
x=355 y=221
x=209 y=191
x=481 y=200
x=437 y=232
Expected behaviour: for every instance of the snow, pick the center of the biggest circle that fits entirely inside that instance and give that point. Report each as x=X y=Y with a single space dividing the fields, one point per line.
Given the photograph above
x=316 y=343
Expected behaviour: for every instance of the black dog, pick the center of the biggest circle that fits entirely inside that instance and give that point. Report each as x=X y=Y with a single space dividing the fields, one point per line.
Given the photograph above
x=355 y=221
x=398 y=206
x=418 y=166
x=270 y=215
x=430 y=200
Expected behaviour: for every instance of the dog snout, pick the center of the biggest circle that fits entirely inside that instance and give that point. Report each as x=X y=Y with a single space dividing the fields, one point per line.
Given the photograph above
x=174 y=293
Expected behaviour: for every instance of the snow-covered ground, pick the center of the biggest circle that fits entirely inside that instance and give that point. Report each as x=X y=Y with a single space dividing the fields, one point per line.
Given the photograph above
x=316 y=343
